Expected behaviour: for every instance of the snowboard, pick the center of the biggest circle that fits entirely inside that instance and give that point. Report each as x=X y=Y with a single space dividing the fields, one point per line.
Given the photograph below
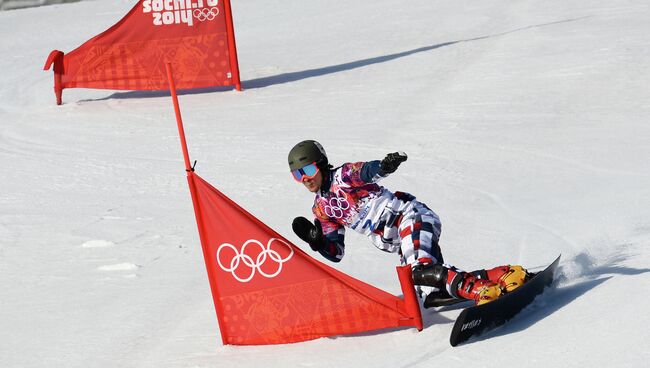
x=476 y=320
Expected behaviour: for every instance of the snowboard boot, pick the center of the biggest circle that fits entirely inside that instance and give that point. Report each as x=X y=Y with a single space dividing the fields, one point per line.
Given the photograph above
x=434 y=275
x=508 y=277
x=453 y=285
x=468 y=286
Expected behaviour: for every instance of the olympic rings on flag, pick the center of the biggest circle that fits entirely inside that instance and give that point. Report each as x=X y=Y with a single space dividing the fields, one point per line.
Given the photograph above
x=254 y=264
x=205 y=14
x=337 y=205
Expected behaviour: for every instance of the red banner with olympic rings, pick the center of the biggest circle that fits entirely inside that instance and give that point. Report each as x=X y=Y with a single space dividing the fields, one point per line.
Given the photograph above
x=266 y=290
x=196 y=36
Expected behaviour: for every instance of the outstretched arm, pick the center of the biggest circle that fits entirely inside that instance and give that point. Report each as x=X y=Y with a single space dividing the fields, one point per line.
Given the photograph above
x=373 y=171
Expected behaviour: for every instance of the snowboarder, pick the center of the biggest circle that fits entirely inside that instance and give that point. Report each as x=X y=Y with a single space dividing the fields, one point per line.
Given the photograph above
x=349 y=196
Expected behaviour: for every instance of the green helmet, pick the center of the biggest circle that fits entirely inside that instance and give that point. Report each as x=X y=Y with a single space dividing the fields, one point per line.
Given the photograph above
x=306 y=152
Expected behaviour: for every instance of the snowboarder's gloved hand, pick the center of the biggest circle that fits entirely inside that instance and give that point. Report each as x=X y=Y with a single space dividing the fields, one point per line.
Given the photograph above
x=391 y=162
x=310 y=233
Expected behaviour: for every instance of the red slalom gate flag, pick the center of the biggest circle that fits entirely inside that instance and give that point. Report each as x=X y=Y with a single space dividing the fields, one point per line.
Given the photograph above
x=196 y=36
x=268 y=291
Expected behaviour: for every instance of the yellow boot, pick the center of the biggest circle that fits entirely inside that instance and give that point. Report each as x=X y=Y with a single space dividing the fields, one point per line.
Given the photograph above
x=508 y=277
x=469 y=286
x=487 y=292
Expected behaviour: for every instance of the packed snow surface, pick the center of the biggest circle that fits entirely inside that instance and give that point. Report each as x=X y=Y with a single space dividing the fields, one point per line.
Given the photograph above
x=526 y=126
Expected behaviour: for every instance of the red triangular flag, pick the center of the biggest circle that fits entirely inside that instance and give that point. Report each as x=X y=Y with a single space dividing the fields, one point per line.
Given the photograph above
x=196 y=36
x=268 y=291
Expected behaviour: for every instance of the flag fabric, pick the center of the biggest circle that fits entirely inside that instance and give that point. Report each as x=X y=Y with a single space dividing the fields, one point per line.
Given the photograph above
x=268 y=291
x=196 y=36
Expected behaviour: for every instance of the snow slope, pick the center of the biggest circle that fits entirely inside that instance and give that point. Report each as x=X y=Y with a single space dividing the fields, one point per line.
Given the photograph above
x=526 y=125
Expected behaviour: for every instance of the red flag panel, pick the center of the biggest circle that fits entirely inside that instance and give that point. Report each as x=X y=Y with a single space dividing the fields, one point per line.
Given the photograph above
x=196 y=36
x=268 y=291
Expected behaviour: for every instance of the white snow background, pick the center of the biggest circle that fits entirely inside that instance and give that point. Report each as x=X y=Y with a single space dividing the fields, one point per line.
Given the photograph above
x=526 y=125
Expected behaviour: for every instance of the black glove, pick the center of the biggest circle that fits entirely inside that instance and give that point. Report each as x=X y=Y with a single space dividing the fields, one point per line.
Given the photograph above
x=391 y=162
x=311 y=233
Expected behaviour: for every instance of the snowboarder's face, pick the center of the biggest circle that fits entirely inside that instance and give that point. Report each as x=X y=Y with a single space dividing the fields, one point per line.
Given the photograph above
x=313 y=184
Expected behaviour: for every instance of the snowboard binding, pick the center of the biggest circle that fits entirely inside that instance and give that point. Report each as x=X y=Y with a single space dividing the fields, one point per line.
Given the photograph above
x=481 y=286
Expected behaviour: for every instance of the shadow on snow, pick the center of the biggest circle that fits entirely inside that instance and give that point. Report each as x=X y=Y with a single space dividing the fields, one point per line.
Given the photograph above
x=318 y=72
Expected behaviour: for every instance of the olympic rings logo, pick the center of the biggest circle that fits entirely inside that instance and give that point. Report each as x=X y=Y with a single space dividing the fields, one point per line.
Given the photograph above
x=250 y=264
x=205 y=14
x=337 y=205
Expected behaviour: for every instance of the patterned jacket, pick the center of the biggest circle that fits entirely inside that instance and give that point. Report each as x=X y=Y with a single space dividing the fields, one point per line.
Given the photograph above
x=350 y=197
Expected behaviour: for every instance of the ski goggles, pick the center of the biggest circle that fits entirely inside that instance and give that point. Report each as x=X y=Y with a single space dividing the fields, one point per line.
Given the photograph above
x=305 y=172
